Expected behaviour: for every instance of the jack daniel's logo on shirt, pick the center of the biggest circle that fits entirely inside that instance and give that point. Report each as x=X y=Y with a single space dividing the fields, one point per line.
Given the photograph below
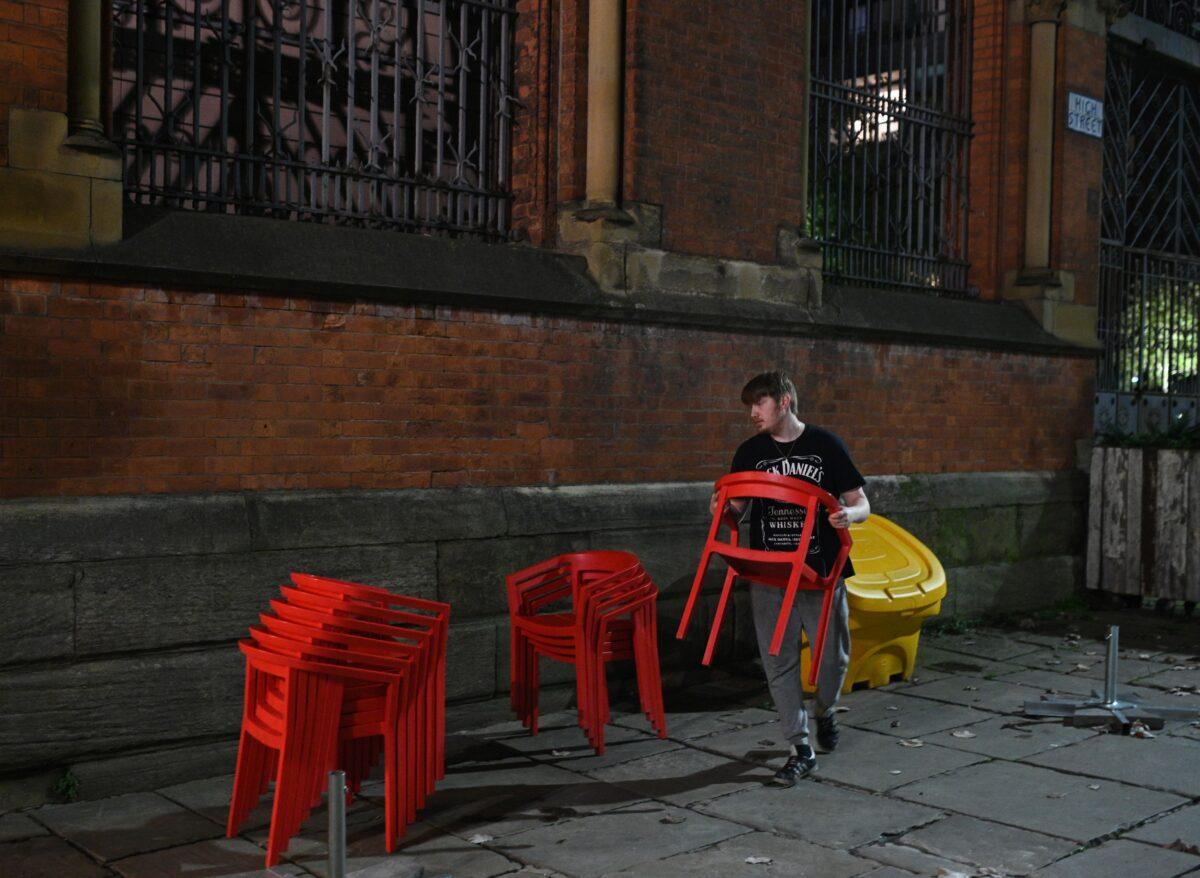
x=809 y=467
x=782 y=523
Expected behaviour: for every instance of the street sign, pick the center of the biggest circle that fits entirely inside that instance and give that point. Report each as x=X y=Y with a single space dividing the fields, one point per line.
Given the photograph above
x=1085 y=115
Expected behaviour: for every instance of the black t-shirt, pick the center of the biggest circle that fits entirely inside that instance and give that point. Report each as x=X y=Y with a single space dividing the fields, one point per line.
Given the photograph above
x=817 y=456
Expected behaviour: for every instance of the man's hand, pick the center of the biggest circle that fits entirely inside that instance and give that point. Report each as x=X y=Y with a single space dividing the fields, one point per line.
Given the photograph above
x=855 y=508
x=737 y=506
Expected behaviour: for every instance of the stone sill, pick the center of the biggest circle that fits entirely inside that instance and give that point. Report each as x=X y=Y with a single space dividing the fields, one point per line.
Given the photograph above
x=207 y=251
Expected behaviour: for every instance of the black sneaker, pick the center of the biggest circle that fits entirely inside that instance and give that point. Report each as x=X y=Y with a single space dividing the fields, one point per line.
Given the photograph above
x=795 y=768
x=827 y=733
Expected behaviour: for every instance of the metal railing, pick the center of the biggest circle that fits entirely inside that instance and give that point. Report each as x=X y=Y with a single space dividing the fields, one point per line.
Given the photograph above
x=1181 y=16
x=388 y=113
x=890 y=132
x=1149 y=320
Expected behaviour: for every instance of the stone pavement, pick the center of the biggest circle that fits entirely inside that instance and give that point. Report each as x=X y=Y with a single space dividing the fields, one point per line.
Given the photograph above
x=986 y=793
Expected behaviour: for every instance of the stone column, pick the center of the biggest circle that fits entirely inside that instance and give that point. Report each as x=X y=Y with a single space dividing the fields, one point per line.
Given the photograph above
x=84 y=125
x=1043 y=16
x=605 y=23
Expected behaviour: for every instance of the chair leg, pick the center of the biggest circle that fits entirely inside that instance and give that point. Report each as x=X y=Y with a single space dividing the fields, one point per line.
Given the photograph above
x=718 y=617
x=818 y=647
x=785 y=611
x=692 y=595
x=253 y=763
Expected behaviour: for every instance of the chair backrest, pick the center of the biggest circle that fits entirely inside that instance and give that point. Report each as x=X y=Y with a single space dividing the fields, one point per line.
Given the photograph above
x=560 y=578
x=278 y=664
x=331 y=587
x=397 y=653
x=617 y=595
x=784 y=489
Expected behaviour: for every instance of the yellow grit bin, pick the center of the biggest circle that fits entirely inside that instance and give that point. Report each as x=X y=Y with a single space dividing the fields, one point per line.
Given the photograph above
x=897 y=584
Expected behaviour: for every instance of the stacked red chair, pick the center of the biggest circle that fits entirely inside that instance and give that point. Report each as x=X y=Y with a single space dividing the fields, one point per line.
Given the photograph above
x=787 y=570
x=587 y=609
x=338 y=675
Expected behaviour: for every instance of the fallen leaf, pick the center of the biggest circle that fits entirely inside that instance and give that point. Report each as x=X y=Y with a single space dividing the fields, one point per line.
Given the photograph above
x=1143 y=655
x=911 y=742
x=759 y=861
x=1093 y=786
x=943 y=872
x=480 y=838
x=1180 y=845
x=968 y=643
x=895 y=771
x=891 y=707
x=1056 y=795
x=1053 y=661
x=1082 y=667
x=672 y=819
x=560 y=752
x=963 y=733
x=970 y=688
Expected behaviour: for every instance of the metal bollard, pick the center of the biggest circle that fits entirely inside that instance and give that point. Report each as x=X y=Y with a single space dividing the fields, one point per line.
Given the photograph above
x=337 y=824
x=1110 y=668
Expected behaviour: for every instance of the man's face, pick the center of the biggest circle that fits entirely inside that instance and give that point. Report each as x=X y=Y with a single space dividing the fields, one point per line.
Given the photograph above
x=766 y=413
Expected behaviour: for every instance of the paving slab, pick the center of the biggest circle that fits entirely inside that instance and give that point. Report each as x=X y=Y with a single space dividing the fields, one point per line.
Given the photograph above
x=1182 y=825
x=506 y=799
x=684 y=776
x=1187 y=730
x=46 y=857
x=1161 y=763
x=1168 y=678
x=762 y=744
x=111 y=829
x=904 y=716
x=821 y=813
x=789 y=858
x=1013 y=737
x=995 y=696
x=563 y=742
x=210 y=797
x=996 y=647
x=1122 y=858
x=934 y=663
x=618 y=840
x=16 y=827
x=992 y=845
x=1037 y=798
x=363 y=819
x=217 y=858
x=868 y=760
x=424 y=852
x=692 y=725
x=910 y=859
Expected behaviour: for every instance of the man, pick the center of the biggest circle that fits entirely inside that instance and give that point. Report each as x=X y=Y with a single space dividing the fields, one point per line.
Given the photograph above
x=786 y=445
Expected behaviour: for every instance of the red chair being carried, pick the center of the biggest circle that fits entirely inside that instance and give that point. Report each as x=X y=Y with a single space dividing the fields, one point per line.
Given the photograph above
x=787 y=570
x=609 y=605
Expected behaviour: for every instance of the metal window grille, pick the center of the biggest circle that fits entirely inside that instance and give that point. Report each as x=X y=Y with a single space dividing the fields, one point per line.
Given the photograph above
x=1182 y=16
x=387 y=113
x=890 y=131
x=1149 y=322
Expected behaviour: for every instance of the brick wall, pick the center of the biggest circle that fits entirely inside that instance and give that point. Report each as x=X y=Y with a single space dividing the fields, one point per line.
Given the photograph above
x=1075 y=215
x=714 y=121
x=108 y=389
x=33 y=59
x=991 y=145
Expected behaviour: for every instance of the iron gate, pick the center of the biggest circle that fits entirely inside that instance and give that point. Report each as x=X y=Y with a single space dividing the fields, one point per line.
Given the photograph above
x=1149 y=321
x=380 y=112
x=890 y=129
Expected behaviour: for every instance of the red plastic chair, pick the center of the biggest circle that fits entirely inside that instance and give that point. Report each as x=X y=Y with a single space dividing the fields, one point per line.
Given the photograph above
x=372 y=674
x=608 y=613
x=787 y=570
x=289 y=734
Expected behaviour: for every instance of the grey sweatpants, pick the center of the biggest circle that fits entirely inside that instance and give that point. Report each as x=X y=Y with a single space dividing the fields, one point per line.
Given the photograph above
x=783 y=670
